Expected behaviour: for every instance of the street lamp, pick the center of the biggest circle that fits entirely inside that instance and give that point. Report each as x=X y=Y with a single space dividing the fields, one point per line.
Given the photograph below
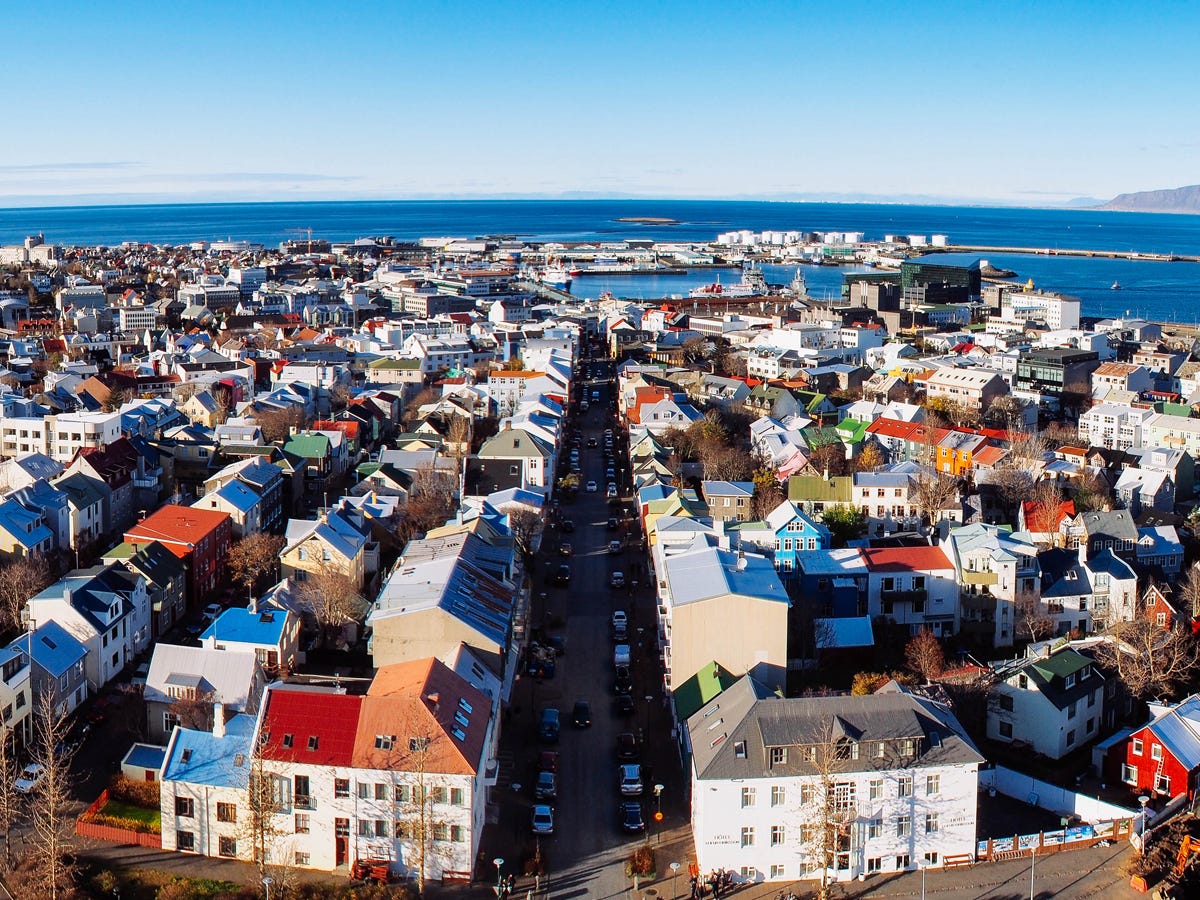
x=267 y=882
x=649 y=698
x=498 y=862
x=674 y=871
x=1032 y=866
x=1143 y=799
x=658 y=816
x=924 y=866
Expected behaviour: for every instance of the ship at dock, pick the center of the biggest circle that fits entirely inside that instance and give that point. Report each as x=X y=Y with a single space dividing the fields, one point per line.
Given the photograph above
x=753 y=284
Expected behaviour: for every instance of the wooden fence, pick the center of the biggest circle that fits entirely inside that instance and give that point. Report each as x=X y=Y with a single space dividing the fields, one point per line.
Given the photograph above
x=86 y=828
x=996 y=849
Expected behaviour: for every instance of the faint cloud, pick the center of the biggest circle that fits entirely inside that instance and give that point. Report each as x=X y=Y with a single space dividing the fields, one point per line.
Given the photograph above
x=309 y=177
x=50 y=168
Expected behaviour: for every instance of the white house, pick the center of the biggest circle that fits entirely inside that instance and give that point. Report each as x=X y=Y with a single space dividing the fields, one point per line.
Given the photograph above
x=887 y=782
x=913 y=586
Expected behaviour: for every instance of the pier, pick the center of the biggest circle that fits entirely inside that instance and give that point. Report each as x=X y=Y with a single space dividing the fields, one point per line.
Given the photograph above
x=1064 y=251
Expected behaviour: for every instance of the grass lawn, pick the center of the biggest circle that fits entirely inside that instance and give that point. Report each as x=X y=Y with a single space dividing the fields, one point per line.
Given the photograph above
x=119 y=810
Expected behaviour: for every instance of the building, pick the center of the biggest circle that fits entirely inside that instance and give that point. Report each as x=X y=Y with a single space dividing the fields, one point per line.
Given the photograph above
x=941 y=278
x=975 y=388
x=1050 y=702
x=1162 y=758
x=1053 y=372
x=59 y=670
x=728 y=500
x=912 y=586
x=184 y=682
x=272 y=635
x=885 y=782
x=199 y=537
x=997 y=572
x=1113 y=426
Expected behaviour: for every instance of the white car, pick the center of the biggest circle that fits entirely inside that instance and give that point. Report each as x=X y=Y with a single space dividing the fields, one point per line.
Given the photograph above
x=590 y=487
x=29 y=778
x=212 y=611
x=611 y=493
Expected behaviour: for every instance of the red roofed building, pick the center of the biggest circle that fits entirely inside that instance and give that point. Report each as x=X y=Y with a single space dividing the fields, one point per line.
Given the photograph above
x=199 y=537
x=912 y=586
x=359 y=777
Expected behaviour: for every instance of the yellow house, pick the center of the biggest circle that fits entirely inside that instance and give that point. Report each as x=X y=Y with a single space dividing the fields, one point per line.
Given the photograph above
x=332 y=542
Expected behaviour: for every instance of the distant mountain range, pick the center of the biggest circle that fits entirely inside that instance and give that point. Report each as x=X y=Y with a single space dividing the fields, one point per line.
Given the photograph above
x=1172 y=200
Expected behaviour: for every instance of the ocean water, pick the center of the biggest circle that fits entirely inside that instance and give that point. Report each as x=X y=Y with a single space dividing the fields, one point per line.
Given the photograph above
x=1152 y=289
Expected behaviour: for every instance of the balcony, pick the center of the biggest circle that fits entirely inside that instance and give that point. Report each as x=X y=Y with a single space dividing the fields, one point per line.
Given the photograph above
x=915 y=597
x=980 y=578
x=303 y=801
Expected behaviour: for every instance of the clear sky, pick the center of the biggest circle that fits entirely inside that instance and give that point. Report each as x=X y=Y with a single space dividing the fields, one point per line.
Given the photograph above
x=1033 y=103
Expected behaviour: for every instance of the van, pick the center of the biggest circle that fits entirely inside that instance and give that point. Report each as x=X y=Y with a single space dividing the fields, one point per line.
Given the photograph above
x=621 y=655
x=548 y=728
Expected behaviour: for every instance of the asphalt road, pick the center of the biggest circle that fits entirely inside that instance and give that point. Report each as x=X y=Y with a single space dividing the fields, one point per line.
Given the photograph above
x=586 y=855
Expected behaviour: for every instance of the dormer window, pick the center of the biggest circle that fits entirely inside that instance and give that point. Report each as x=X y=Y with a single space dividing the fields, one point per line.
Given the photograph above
x=1070 y=680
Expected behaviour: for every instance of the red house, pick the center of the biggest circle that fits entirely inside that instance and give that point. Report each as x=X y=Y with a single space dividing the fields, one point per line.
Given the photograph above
x=1163 y=756
x=1158 y=608
x=199 y=537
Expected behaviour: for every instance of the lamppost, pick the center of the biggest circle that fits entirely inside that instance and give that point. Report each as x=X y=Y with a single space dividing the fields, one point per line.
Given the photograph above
x=267 y=882
x=649 y=698
x=1143 y=799
x=674 y=871
x=924 y=865
x=658 y=816
x=1032 y=866
x=498 y=862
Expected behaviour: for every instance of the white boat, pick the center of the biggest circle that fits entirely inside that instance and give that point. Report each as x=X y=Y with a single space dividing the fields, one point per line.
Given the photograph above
x=1116 y=286
x=753 y=284
x=556 y=276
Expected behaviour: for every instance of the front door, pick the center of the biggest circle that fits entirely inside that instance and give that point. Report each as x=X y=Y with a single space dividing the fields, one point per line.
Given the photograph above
x=341 y=830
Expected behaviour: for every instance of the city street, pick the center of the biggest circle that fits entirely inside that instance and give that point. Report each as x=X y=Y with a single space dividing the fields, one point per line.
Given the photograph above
x=585 y=856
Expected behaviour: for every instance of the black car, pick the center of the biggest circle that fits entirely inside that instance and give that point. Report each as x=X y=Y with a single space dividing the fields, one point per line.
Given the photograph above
x=624 y=705
x=564 y=575
x=613 y=524
x=631 y=817
x=591 y=442
x=627 y=745
x=567 y=526
x=623 y=683
x=581 y=714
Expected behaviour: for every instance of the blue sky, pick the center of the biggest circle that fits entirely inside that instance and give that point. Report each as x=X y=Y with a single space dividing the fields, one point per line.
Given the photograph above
x=1031 y=103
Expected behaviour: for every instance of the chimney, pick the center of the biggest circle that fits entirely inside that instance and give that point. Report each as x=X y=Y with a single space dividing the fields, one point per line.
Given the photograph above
x=218 y=719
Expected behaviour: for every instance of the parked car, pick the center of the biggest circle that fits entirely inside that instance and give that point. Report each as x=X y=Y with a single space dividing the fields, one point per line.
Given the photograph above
x=548 y=761
x=616 y=580
x=590 y=487
x=541 y=819
x=611 y=492
x=624 y=705
x=211 y=611
x=612 y=524
x=620 y=619
x=629 y=780
x=31 y=776
x=631 y=817
x=614 y=547
x=548 y=727
x=627 y=745
x=623 y=684
x=546 y=787
x=565 y=549
x=581 y=715
x=564 y=575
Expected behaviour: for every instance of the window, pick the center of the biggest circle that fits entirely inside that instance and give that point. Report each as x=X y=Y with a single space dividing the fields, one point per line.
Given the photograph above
x=875 y=789
x=302 y=823
x=902 y=862
x=747 y=797
x=777 y=872
x=366 y=828
x=185 y=840
x=931 y=858
x=458 y=797
x=1156 y=751
x=385 y=741
x=778 y=796
x=908 y=747
x=1006 y=702
x=403 y=793
x=289 y=740
x=227 y=846
x=778 y=756
x=170 y=720
x=904 y=786
x=748 y=836
x=381 y=828
x=381 y=792
x=875 y=864
x=1162 y=784
x=881 y=750
x=1070 y=737
x=458 y=834
x=903 y=826
x=302 y=859
x=226 y=812
x=1006 y=729
x=341 y=787
x=1073 y=710
x=874 y=828
x=1160 y=620
x=843 y=795
x=439 y=794
x=185 y=807
x=364 y=791
x=1070 y=680
x=778 y=835
x=933 y=784
x=1129 y=774
x=1091 y=725
x=931 y=823
x=808 y=793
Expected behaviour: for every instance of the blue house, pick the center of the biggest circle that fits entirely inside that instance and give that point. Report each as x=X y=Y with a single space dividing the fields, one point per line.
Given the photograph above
x=795 y=534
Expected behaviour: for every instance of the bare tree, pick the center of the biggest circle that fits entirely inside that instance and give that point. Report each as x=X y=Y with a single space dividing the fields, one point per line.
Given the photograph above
x=331 y=597
x=768 y=493
x=828 y=805
x=277 y=422
x=264 y=797
x=20 y=580
x=432 y=502
x=412 y=410
x=195 y=712
x=417 y=792
x=524 y=524
x=1150 y=661
x=1187 y=592
x=1033 y=619
x=253 y=557
x=458 y=436
x=51 y=799
x=11 y=813
x=932 y=489
x=924 y=656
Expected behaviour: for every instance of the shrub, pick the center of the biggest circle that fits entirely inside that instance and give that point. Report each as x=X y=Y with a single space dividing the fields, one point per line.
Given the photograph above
x=641 y=862
x=138 y=793
x=124 y=823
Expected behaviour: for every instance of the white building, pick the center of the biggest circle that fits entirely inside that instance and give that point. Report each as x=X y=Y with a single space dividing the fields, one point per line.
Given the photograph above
x=76 y=431
x=886 y=781
x=1056 y=310
x=1114 y=426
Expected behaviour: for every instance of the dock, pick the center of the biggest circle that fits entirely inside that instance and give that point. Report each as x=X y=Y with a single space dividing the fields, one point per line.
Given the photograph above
x=1065 y=251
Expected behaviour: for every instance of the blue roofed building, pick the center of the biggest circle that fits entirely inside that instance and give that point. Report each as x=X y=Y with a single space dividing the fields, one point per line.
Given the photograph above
x=243 y=504
x=23 y=532
x=204 y=786
x=795 y=533
x=57 y=661
x=273 y=635
x=16 y=701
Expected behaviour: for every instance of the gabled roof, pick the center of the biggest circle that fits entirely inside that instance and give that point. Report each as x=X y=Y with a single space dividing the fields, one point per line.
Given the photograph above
x=710 y=681
x=305 y=724
x=200 y=757
x=52 y=648
x=905 y=559
x=1178 y=729
x=228 y=675
x=178 y=527
x=422 y=700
